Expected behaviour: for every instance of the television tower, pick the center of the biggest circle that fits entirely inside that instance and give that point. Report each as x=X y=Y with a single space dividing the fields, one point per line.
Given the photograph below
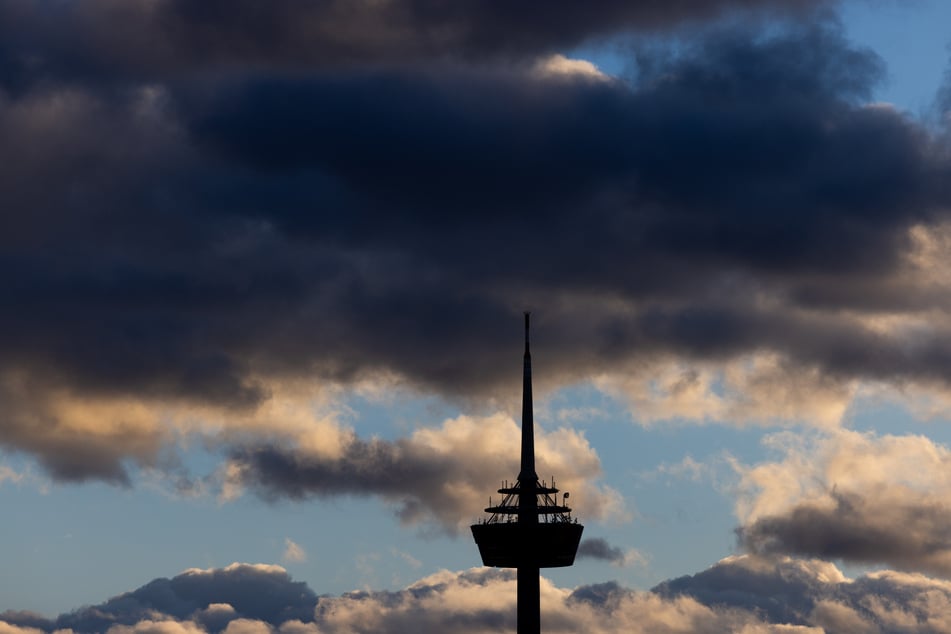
x=528 y=530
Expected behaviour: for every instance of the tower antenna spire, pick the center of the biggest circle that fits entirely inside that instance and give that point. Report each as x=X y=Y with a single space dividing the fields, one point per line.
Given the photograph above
x=527 y=472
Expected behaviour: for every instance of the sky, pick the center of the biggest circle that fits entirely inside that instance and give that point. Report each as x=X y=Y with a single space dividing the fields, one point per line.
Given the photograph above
x=263 y=267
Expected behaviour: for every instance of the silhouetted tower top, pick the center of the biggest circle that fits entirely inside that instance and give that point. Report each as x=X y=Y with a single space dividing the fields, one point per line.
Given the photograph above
x=529 y=529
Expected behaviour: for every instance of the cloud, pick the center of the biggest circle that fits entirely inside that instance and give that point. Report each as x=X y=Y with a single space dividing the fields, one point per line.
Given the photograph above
x=599 y=548
x=197 y=599
x=6 y=628
x=816 y=594
x=156 y=627
x=247 y=626
x=216 y=616
x=851 y=496
x=293 y=552
x=782 y=589
x=7 y=473
x=406 y=558
x=748 y=594
x=559 y=65
x=753 y=389
x=164 y=38
x=188 y=265
x=435 y=475
x=482 y=599
x=80 y=436
x=475 y=600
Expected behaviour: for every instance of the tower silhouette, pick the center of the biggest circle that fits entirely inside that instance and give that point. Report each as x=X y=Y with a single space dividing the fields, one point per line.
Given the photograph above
x=528 y=530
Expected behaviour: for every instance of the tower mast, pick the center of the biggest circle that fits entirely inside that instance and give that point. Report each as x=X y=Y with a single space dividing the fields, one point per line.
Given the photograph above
x=529 y=598
x=527 y=473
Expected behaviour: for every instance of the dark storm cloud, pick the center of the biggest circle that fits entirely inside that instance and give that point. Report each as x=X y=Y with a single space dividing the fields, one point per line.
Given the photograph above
x=193 y=241
x=734 y=154
x=908 y=534
x=129 y=40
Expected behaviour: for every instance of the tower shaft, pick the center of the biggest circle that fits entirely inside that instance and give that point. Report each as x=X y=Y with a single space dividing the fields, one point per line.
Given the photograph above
x=529 y=618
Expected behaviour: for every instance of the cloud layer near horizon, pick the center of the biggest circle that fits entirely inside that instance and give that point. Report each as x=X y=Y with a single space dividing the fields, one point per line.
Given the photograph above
x=750 y=595
x=189 y=234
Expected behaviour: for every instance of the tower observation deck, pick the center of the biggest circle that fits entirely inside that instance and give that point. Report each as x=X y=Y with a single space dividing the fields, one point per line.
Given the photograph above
x=528 y=529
